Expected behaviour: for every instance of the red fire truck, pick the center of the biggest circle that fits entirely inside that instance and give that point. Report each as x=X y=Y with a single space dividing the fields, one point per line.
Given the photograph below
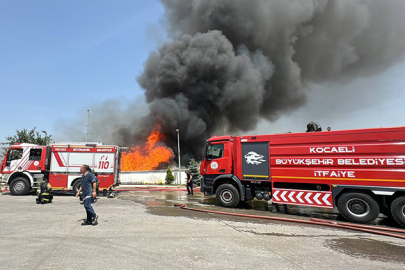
x=360 y=172
x=26 y=165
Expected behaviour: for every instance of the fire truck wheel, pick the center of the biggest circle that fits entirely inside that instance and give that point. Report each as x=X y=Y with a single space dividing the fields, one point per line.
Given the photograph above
x=358 y=207
x=19 y=186
x=398 y=210
x=227 y=195
x=76 y=186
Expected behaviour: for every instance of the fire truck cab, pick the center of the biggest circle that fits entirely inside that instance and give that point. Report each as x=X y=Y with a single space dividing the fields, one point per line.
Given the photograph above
x=26 y=165
x=360 y=172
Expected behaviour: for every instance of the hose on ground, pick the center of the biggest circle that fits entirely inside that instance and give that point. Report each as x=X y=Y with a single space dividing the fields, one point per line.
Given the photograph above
x=150 y=189
x=313 y=221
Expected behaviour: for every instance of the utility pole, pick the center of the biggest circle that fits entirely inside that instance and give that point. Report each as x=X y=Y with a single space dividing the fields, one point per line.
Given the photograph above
x=178 y=153
x=87 y=128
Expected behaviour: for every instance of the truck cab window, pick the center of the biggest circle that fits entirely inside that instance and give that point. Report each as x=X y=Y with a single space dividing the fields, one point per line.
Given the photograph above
x=15 y=154
x=215 y=151
x=35 y=154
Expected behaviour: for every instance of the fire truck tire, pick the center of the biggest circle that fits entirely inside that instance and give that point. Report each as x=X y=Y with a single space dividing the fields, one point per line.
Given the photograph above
x=358 y=207
x=19 y=186
x=398 y=210
x=76 y=186
x=227 y=195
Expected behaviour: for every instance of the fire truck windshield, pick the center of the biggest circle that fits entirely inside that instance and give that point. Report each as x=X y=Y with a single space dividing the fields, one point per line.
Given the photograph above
x=214 y=151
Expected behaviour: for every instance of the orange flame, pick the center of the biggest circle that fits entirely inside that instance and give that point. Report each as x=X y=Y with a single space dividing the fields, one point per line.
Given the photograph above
x=149 y=156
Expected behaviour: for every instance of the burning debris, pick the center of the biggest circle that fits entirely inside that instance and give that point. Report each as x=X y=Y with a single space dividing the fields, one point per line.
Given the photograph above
x=149 y=156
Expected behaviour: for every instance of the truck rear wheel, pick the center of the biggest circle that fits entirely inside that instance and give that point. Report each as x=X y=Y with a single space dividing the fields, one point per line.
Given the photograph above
x=19 y=186
x=398 y=210
x=358 y=207
x=227 y=195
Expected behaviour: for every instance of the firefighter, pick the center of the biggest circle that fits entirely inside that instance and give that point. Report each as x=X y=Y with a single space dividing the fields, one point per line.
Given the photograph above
x=44 y=192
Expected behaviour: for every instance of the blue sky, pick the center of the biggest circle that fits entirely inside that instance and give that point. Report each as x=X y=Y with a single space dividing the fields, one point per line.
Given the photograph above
x=59 y=58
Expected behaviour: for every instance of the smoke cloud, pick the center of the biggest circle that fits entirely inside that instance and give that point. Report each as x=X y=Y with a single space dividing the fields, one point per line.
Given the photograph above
x=201 y=84
x=232 y=63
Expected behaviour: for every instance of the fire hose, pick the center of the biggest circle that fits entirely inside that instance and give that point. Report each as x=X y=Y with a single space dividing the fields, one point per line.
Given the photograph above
x=134 y=189
x=150 y=189
x=313 y=221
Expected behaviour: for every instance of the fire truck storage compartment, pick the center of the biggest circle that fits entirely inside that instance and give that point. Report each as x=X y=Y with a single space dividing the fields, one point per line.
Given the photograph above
x=58 y=180
x=255 y=161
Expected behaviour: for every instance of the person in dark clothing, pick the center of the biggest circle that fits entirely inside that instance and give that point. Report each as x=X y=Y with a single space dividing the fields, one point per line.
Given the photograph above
x=44 y=192
x=97 y=185
x=97 y=188
x=189 y=183
x=88 y=189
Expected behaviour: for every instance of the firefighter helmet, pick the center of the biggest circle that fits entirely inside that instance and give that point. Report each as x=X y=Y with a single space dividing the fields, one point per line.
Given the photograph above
x=313 y=127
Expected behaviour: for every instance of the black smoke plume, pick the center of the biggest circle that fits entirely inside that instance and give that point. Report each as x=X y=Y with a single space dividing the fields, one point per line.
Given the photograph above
x=201 y=84
x=231 y=63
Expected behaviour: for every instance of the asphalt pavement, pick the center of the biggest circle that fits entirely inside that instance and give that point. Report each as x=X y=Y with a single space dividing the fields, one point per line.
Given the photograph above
x=142 y=230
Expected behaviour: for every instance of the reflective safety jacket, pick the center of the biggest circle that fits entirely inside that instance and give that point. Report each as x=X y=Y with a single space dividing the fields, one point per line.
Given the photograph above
x=46 y=188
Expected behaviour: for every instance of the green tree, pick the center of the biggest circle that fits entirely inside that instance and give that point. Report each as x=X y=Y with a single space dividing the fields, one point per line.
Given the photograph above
x=194 y=169
x=169 y=176
x=27 y=136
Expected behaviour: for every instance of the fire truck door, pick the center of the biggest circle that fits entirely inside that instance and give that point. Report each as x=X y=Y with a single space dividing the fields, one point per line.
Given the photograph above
x=217 y=158
x=14 y=159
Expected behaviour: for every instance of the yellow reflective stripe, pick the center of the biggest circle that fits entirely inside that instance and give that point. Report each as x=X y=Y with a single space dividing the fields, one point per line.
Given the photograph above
x=336 y=178
x=245 y=175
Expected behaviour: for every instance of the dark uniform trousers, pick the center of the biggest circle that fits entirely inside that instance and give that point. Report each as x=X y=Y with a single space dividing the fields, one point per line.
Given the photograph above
x=190 y=187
